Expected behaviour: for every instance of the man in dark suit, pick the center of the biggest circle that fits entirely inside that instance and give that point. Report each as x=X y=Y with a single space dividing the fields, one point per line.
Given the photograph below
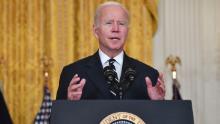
x=85 y=79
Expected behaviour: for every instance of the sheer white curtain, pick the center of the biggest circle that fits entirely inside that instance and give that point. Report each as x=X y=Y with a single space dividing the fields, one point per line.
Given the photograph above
x=190 y=29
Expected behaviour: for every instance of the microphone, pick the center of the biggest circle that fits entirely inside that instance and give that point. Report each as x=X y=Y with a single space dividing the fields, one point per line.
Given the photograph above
x=112 y=81
x=129 y=77
x=119 y=88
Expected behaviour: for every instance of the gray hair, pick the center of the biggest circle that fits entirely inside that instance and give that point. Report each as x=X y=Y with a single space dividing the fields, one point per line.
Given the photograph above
x=105 y=4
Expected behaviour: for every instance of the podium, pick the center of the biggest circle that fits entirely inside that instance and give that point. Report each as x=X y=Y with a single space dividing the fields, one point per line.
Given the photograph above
x=121 y=112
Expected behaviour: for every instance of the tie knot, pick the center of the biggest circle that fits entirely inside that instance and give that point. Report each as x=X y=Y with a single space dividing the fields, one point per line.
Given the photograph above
x=111 y=61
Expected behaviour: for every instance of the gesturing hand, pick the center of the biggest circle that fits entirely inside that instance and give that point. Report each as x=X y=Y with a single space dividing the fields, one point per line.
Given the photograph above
x=75 y=89
x=156 y=92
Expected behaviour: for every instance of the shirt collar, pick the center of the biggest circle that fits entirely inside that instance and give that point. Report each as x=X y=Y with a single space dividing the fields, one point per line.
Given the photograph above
x=104 y=58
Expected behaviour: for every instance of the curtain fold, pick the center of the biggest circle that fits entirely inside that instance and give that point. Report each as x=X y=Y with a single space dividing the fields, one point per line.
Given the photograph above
x=61 y=30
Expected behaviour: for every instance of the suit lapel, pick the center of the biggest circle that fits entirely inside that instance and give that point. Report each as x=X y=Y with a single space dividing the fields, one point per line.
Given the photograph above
x=95 y=73
x=126 y=63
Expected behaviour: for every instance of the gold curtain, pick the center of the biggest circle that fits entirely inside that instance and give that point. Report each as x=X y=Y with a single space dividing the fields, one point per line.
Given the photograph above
x=61 y=30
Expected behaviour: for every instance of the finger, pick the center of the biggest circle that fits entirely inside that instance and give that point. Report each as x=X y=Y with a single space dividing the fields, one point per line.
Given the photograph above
x=148 y=82
x=161 y=77
x=83 y=82
x=72 y=95
x=76 y=96
x=74 y=87
x=77 y=93
x=161 y=91
x=74 y=80
x=161 y=82
x=161 y=85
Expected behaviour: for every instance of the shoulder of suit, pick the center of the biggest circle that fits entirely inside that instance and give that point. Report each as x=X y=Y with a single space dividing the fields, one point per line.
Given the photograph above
x=140 y=64
x=80 y=62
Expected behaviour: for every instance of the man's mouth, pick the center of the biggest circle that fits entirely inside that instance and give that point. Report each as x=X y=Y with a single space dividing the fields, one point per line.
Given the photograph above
x=114 y=38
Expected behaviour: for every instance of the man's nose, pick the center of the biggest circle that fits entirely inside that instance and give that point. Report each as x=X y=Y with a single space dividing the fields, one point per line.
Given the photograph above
x=115 y=27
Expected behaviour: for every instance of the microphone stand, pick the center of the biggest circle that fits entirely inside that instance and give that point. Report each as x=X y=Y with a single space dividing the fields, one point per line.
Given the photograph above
x=120 y=93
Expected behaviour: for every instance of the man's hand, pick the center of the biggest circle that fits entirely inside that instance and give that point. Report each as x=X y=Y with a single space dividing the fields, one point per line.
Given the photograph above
x=156 y=92
x=75 y=89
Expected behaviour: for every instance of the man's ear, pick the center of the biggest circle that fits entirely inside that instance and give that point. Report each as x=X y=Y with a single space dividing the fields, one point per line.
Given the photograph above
x=95 y=30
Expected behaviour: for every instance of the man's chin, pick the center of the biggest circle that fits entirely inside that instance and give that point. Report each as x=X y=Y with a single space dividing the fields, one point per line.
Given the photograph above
x=116 y=49
x=115 y=46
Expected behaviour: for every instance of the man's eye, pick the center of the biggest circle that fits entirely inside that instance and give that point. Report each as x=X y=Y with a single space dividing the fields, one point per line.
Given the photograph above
x=122 y=23
x=108 y=23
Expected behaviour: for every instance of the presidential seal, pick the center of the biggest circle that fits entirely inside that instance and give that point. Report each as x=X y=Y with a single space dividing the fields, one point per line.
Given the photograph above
x=122 y=118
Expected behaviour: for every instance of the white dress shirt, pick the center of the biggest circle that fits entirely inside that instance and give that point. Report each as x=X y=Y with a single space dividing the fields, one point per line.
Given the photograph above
x=118 y=61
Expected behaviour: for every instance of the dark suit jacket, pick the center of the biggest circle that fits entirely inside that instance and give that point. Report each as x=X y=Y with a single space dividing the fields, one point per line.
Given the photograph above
x=5 y=117
x=96 y=87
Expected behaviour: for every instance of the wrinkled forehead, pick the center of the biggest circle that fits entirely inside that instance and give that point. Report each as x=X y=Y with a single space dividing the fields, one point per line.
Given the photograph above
x=113 y=12
x=113 y=9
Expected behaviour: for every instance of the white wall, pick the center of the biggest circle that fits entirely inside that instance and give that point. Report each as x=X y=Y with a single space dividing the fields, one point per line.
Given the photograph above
x=190 y=29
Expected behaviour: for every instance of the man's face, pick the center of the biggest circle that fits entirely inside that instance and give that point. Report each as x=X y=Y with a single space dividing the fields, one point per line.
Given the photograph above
x=112 y=28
